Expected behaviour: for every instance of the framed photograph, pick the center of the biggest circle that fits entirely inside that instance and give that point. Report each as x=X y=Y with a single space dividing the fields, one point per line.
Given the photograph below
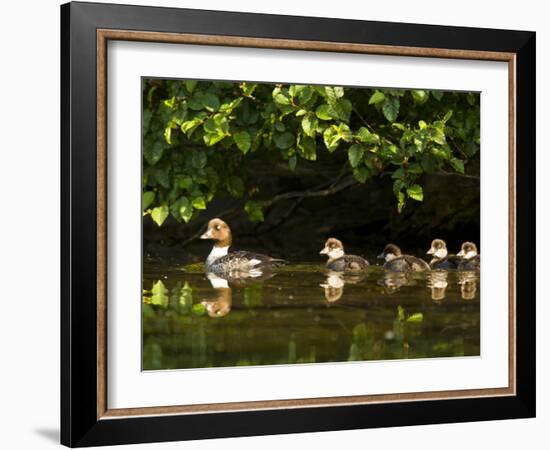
x=275 y=224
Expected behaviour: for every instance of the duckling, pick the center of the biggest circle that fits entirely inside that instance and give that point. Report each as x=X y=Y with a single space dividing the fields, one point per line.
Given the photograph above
x=398 y=262
x=440 y=258
x=338 y=260
x=470 y=257
x=221 y=261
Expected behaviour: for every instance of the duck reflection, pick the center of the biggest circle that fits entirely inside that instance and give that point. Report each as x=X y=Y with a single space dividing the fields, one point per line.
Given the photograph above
x=468 y=284
x=220 y=306
x=393 y=281
x=222 y=284
x=438 y=282
x=335 y=282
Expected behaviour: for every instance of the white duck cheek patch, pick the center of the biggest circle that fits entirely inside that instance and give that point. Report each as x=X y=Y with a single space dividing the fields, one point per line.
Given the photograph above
x=336 y=253
x=440 y=253
x=470 y=254
x=389 y=257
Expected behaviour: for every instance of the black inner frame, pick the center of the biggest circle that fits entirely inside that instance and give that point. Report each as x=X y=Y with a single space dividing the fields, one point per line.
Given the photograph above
x=79 y=424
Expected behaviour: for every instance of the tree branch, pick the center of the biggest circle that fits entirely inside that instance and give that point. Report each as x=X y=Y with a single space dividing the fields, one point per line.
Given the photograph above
x=332 y=189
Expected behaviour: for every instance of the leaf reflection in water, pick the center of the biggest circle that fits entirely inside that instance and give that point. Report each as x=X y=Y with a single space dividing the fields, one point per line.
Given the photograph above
x=304 y=314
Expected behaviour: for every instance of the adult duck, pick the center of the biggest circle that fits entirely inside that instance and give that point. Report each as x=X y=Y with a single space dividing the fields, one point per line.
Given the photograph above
x=222 y=261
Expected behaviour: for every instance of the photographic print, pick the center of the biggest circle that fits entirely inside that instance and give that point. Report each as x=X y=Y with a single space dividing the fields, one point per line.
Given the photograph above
x=297 y=224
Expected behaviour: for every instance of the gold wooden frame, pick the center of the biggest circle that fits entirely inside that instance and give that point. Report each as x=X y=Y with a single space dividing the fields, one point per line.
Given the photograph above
x=103 y=36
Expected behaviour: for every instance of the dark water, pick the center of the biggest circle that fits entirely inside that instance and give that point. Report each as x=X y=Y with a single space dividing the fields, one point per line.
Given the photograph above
x=303 y=314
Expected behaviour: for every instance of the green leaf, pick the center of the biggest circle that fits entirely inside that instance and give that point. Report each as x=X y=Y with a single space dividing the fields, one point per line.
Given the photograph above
x=159 y=214
x=438 y=136
x=322 y=112
x=199 y=202
x=361 y=174
x=168 y=134
x=235 y=186
x=390 y=108
x=185 y=209
x=400 y=314
x=243 y=141
x=419 y=96
x=457 y=164
x=280 y=126
x=355 y=155
x=210 y=101
x=189 y=126
x=152 y=152
x=398 y=173
x=198 y=309
x=280 y=98
x=438 y=95
x=397 y=186
x=415 y=192
x=211 y=139
x=190 y=85
x=147 y=199
x=331 y=138
x=254 y=211
x=159 y=294
x=344 y=132
x=414 y=168
x=198 y=159
x=341 y=109
x=365 y=136
x=182 y=209
x=400 y=201
x=170 y=102
x=332 y=94
x=310 y=124
x=307 y=148
x=283 y=140
x=415 y=318
x=377 y=97
x=184 y=182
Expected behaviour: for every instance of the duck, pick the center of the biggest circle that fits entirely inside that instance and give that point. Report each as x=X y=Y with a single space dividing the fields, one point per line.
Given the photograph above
x=440 y=258
x=338 y=261
x=470 y=257
x=396 y=261
x=222 y=261
x=334 y=286
x=221 y=305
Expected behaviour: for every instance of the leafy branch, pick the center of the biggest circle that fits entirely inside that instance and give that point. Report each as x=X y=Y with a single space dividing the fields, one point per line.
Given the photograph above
x=200 y=140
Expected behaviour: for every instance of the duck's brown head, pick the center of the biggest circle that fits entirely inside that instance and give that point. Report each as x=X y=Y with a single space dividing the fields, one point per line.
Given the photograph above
x=333 y=248
x=219 y=231
x=438 y=249
x=390 y=252
x=468 y=250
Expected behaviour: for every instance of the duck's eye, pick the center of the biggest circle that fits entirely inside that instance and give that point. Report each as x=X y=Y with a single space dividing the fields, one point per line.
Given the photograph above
x=217 y=227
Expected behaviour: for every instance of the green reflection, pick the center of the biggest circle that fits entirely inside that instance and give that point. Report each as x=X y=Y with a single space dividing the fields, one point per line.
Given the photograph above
x=304 y=314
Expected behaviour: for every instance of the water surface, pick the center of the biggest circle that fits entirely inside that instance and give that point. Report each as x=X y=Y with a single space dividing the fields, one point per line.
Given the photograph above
x=305 y=314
